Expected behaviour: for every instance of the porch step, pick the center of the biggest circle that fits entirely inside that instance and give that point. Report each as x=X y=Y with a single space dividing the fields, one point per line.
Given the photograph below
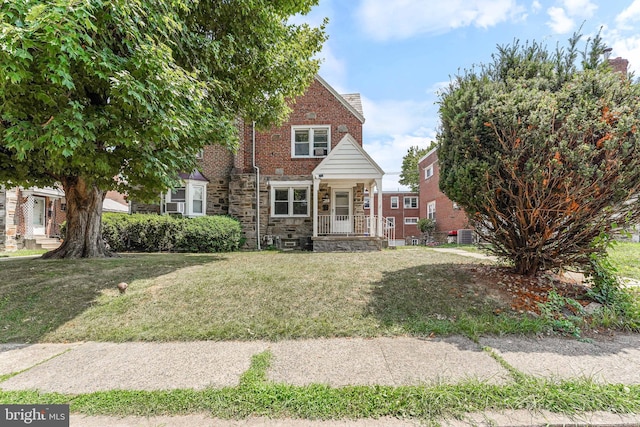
x=47 y=243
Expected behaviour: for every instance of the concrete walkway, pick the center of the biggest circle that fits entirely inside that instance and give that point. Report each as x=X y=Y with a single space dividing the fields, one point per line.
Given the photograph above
x=88 y=367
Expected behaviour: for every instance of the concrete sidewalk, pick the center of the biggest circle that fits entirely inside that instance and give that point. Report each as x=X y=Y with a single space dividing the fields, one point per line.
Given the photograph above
x=88 y=367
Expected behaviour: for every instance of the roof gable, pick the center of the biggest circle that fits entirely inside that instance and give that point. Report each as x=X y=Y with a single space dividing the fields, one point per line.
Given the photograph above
x=348 y=160
x=344 y=101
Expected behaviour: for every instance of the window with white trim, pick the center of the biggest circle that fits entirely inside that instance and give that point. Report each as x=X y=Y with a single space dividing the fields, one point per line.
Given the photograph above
x=391 y=222
x=290 y=201
x=367 y=202
x=410 y=220
x=428 y=171
x=411 y=202
x=310 y=141
x=197 y=200
x=190 y=200
x=431 y=210
x=395 y=202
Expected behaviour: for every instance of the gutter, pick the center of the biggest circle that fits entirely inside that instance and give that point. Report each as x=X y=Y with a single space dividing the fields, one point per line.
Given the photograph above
x=257 y=170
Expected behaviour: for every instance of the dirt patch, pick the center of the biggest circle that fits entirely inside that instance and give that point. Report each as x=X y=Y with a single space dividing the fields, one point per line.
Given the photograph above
x=522 y=293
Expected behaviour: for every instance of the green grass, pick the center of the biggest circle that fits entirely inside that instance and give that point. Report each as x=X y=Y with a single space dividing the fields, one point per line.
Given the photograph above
x=248 y=295
x=22 y=252
x=255 y=396
x=625 y=257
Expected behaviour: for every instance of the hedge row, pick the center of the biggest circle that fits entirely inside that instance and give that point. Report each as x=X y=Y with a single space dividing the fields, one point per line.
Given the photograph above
x=153 y=233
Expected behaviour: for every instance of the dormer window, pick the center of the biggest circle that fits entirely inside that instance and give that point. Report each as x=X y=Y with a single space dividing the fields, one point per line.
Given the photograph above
x=310 y=141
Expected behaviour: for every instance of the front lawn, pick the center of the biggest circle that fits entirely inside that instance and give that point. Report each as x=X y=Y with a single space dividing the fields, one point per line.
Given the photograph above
x=625 y=257
x=249 y=295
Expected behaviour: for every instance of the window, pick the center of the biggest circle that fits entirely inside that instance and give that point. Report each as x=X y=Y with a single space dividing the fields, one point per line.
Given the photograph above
x=411 y=220
x=178 y=195
x=290 y=201
x=310 y=141
x=428 y=171
x=197 y=202
x=431 y=210
x=190 y=200
x=391 y=222
x=410 y=202
x=394 y=202
x=367 y=201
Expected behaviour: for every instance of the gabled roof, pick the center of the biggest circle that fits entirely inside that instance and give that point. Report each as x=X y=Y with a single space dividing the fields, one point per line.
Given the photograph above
x=348 y=160
x=353 y=99
x=355 y=111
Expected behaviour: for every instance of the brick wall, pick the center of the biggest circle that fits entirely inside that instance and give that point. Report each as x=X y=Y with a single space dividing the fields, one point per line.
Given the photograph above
x=318 y=106
x=447 y=216
x=403 y=231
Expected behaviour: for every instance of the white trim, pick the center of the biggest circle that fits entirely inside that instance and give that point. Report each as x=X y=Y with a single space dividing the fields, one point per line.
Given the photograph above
x=290 y=186
x=414 y=220
x=430 y=152
x=189 y=186
x=431 y=209
x=404 y=202
x=426 y=170
x=397 y=202
x=311 y=129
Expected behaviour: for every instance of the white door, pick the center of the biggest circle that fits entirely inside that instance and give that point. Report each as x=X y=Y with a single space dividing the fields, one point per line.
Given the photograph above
x=341 y=212
x=39 y=218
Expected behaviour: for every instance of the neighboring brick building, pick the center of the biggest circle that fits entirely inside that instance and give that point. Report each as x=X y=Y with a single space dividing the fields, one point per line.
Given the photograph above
x=293 y=186
x=434 y=203
x=401 y=210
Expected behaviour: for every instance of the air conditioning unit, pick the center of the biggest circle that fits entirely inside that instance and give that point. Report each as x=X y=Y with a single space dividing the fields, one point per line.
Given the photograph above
x=319 y=152
x=465 y=237
x=174 y=207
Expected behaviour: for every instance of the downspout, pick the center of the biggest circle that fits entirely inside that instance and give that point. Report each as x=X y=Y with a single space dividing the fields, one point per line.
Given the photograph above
x=257 y=170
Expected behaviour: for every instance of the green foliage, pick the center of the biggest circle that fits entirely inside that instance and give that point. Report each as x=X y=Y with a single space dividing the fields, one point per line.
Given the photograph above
x=410 y=175
x=540 y=154
x=100 y=88
x=426 y=225
x=564 y=315
x=152 y=233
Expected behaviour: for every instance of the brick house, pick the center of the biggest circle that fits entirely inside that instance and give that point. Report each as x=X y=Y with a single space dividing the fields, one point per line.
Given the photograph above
x=434 y=203
x=299 y=185
x=401 y=210
x=30 y=218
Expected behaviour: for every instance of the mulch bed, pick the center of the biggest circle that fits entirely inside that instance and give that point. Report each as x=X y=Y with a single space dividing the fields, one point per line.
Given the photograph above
x=524 y=293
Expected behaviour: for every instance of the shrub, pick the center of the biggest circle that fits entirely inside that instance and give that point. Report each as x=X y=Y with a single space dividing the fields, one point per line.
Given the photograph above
x=152 y=233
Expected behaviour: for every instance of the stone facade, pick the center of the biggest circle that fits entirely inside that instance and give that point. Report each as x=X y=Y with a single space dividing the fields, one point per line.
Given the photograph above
x=9 y=240
x=348 y=244
x=231 y=176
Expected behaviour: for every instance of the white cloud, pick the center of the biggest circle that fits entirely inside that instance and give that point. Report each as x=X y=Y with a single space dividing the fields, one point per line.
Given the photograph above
x=333 y=69
x=560 y=23
x=628 y=48
x=628 y=16
x=536 y=6
x=580 y=8
x=392 y=127
x=399 y=19
x=563 y=19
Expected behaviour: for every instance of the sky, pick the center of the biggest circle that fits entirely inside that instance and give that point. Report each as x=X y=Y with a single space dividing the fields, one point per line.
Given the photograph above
x=399 y=53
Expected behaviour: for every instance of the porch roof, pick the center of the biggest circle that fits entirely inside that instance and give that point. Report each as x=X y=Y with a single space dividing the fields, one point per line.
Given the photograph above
x=348 y=161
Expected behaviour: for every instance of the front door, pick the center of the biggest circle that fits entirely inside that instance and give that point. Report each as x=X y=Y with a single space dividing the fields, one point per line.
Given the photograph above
x=341 y=212
x=39 y=218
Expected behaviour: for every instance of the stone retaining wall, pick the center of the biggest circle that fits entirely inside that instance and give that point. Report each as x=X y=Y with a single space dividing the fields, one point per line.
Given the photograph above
x=347 y=244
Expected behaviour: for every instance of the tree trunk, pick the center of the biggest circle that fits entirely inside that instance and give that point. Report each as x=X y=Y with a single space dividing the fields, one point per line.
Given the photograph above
x=83 y=236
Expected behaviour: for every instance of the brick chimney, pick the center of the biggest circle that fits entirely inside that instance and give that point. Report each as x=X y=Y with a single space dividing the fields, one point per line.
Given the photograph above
x=619 y=64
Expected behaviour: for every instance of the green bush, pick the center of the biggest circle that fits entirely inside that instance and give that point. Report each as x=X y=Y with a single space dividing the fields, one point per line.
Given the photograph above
x=153 y=233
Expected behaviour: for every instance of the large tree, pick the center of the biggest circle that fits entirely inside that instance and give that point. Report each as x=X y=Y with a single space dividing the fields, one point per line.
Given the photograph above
x=120 y=94
x=410 y=174
x=542 y=153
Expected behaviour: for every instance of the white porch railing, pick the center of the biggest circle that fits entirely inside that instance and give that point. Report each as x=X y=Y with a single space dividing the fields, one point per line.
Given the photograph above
x=354 y=225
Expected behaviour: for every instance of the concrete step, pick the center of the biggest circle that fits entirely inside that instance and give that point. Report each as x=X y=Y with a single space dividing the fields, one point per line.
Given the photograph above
x=47 y=243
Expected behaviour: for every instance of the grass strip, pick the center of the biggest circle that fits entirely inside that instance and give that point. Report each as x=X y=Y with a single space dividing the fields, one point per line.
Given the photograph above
x=256 y=397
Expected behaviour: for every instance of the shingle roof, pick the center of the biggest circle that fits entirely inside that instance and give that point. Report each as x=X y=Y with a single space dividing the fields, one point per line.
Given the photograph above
x=354 y=100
